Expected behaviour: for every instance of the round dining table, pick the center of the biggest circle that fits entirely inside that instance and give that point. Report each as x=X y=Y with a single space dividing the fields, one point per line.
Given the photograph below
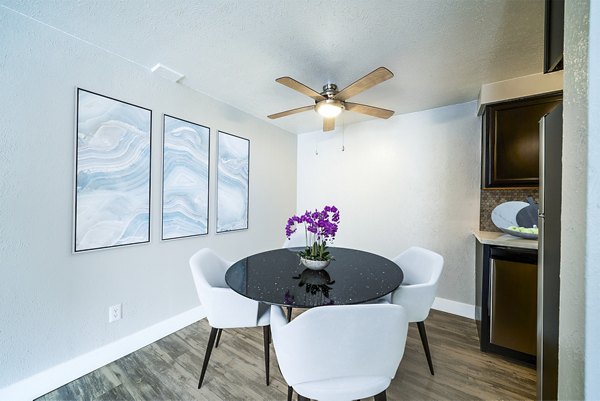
x=277 y=277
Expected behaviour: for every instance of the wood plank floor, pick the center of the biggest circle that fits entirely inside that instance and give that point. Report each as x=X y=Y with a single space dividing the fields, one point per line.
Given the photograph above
x=169 y=369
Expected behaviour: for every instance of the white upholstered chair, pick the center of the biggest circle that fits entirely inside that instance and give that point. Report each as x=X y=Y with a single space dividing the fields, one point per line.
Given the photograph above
x=340 y=353
x=225 y=308
x=422 y=269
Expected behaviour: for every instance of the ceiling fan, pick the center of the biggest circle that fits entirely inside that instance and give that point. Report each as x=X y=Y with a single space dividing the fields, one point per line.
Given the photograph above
x=331 y=102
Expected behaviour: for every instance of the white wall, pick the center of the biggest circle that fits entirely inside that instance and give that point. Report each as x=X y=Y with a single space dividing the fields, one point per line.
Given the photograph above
x=410 y=180
x=592 y=293
x=574 y=203
x=579 y=351
x=53 y=304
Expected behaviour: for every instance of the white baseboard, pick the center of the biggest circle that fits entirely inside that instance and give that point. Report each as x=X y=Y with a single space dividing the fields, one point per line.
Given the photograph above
x=455 y=308
x=63 y=373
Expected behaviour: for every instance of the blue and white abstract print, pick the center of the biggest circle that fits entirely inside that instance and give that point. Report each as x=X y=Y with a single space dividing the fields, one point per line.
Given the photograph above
x=185 y=174
x=232 y=183
x=113 y=173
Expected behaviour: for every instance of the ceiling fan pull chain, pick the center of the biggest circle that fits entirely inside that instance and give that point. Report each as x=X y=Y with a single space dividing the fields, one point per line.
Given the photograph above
x=343 y=133
x=316 y=147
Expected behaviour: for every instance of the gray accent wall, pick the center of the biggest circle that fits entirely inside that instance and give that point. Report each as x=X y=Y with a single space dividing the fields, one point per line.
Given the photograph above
x=53 y=303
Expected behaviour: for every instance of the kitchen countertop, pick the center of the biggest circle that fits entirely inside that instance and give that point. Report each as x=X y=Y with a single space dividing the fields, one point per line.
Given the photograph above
x=501 y=239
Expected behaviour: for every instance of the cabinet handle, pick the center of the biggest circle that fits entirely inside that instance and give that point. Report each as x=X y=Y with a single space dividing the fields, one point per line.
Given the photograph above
x=491 y=297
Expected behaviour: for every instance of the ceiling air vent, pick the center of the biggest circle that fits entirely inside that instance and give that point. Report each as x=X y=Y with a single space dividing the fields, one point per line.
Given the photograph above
x=167 y=73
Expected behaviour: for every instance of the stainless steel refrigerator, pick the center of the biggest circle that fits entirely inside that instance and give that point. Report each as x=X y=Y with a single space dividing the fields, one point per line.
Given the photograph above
x=549 y=253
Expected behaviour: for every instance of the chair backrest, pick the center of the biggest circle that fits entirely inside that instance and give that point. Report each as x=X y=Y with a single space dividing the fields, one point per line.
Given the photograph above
x=340 y=341
x=224 y=308
x=422 y=269
x=208 y=270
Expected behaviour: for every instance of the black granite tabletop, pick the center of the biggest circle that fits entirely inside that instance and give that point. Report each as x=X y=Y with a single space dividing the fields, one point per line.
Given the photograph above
x=277 y=277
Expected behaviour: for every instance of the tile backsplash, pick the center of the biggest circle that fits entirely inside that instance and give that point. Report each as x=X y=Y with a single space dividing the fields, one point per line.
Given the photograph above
x=492 y=198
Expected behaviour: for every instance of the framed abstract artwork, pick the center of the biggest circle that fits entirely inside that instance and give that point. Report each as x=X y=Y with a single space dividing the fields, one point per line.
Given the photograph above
x=112 y=180
x=233 y=169
x=186 y=160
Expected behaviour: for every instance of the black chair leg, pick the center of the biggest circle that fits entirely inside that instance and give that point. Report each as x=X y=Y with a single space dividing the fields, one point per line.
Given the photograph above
x=423 y=334
x=218 y=338
x=290 y=392
x=381 y=396
x=267 y=341
x=209 y=347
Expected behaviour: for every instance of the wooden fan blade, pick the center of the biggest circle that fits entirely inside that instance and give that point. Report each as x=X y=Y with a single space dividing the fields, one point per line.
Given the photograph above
x=369 y=110
x=290 y=112
x=300 y=87
x=328 y=124
x=368 y=81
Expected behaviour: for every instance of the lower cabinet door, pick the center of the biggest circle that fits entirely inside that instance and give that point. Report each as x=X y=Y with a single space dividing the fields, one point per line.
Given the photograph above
x=513 y=305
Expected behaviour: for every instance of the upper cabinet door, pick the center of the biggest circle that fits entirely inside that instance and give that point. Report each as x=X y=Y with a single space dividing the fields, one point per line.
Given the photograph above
x=511 y=142
x=554 y=35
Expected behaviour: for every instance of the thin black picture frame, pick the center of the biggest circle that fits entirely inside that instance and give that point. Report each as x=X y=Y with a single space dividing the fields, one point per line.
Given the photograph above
x=163 y=181
x=76 y=181
x=219 y=132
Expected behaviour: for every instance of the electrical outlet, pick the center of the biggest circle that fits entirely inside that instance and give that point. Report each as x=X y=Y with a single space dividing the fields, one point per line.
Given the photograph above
x=115 y=313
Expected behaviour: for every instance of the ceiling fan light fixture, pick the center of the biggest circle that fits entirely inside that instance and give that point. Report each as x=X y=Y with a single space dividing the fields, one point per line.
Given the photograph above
x=329 y=108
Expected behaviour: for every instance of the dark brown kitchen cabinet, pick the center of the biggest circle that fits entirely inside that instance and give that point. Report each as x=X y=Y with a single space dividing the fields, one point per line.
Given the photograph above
x=554 y=27
x=511 y=143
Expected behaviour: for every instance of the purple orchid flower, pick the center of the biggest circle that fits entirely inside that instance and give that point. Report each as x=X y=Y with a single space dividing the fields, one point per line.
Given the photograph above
x=320 y=228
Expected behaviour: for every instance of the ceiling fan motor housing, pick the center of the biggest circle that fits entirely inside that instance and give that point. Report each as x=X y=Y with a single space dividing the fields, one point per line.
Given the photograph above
x=329 y=91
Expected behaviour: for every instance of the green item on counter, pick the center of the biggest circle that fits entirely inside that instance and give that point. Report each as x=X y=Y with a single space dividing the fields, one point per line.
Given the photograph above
x=526 y=230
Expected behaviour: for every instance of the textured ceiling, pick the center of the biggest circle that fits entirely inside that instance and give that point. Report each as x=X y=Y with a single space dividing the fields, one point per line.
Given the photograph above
x=440 y=51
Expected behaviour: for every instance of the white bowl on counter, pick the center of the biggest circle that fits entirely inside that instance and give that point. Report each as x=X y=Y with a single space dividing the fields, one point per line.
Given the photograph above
x=505 y=216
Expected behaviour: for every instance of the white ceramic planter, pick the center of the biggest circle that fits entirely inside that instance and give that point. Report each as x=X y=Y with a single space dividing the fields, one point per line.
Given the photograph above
x=315 y=264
